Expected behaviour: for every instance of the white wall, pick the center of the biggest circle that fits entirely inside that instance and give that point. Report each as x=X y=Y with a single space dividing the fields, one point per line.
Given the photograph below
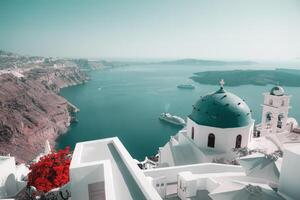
x=276 y=105
x=165 y=156
x=8 y=184
x=171 y=173
x=225 y=138
x=81 y=177
x=289 y=180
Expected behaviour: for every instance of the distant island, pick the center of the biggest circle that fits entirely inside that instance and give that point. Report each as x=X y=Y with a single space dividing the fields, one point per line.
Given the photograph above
x=96 y=64
x=286 y=77
x=191 y=61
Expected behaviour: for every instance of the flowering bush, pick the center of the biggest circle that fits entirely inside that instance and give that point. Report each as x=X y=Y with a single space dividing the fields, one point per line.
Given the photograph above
x=51 y=171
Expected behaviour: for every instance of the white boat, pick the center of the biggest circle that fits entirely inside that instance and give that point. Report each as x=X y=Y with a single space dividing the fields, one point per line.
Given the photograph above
x=186 y=86
x=173 y=119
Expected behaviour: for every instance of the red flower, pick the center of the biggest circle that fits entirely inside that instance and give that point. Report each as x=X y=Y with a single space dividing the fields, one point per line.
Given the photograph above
x=51 y=171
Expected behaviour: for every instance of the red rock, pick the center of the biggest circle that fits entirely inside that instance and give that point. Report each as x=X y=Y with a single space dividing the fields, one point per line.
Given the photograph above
x=31 y=111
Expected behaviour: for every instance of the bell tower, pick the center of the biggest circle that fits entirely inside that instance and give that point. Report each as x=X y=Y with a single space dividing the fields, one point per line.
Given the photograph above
x=275 y=111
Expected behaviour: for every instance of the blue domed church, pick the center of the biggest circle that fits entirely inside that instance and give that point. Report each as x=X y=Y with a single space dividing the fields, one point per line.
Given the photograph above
x=219 y=122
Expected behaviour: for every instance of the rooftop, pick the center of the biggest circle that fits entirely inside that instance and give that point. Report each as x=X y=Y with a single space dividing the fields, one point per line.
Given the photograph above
x=122 y=177
x=221 y=109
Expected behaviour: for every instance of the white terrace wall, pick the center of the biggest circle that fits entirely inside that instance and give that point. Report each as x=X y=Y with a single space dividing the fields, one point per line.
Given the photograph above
x=171 y=173
x=8 y=184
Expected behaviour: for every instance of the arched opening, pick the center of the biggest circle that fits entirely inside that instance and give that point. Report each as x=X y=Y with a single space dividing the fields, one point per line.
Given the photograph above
x=238 y=141
x=268 y=117
x=280 y=119
x=211 y=140
x=271 y=102
x=193 y=133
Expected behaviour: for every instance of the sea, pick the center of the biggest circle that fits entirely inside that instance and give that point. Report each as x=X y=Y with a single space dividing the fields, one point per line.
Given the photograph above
x=126 y=102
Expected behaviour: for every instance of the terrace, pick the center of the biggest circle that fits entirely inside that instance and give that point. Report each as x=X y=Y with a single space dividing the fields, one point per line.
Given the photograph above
x=103 y=169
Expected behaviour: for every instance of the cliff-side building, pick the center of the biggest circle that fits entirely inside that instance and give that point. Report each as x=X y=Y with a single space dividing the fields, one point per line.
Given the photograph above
x=275 y=111
x=219 y=122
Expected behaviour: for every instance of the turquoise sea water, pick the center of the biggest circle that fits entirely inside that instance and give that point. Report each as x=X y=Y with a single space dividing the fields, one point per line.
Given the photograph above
x=126 y=102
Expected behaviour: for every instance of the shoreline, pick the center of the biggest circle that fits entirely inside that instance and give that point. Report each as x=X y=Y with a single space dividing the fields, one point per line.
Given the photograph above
x=33 y=111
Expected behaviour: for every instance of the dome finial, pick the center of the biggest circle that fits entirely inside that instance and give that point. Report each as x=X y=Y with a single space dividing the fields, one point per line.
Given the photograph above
x=222 y=83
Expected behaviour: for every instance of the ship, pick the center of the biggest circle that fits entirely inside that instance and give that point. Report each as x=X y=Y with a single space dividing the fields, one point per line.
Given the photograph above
x=173 y=119
x=186 y=86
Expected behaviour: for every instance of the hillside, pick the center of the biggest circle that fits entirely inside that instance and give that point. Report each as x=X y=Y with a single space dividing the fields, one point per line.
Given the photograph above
x=286 y=77
x=31 y=110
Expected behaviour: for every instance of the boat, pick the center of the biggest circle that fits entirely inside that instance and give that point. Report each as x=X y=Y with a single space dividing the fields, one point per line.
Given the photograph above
x=173 y=119
x=186 y=86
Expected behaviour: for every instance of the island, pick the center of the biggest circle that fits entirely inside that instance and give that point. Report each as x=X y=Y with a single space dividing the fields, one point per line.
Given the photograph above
x=286 y=77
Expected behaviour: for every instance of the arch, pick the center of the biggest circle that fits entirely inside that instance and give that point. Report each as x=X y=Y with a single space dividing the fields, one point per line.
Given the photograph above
x=11 y=184
x=269 y=116
x=193 y=133
x=280 y=120
x=238 y=141
x=211 y=140
x=271 y=102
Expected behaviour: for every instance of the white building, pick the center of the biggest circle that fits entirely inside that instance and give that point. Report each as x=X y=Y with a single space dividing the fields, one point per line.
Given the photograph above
x=289 y=183
x=11 y=177
x=277 y=128
x=103 y=169
x=219 y=122
x=275 y=111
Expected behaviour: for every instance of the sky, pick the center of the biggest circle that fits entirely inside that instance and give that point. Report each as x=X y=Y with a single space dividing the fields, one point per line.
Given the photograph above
x=207 y=29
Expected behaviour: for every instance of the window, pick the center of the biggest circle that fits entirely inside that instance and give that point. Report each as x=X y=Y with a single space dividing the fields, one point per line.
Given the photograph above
x=193 y=133
x=211 y=140
x=271 y=102
x=280 y=120
x=268 y=117
x=282 y=103
x=238 y=141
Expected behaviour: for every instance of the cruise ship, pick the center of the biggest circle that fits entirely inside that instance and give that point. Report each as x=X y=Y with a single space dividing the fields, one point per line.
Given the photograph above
x=173 y=119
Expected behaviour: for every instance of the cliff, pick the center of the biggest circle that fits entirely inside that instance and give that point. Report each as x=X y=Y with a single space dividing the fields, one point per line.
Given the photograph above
x=55 y=79
x=31 y=111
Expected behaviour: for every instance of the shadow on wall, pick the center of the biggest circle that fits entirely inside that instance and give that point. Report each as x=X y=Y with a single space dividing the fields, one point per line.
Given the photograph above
x=134 y=189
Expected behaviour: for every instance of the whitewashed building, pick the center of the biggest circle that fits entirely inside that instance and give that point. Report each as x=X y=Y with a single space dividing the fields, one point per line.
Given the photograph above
x=219 y=123
x=11 y=177
x=103 y=169
x=275 y=111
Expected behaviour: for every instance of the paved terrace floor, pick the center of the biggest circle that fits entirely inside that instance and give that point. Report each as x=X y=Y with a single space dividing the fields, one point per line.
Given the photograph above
x=124 y=184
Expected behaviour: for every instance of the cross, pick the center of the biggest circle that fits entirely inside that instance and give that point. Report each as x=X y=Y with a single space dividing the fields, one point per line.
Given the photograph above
x=222 y=83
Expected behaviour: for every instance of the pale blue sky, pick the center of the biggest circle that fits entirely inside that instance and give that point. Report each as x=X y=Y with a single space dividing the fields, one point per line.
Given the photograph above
x=215 y=29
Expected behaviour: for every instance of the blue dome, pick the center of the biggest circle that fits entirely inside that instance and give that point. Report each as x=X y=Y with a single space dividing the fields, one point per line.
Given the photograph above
x=277 y=91
x=221 y=109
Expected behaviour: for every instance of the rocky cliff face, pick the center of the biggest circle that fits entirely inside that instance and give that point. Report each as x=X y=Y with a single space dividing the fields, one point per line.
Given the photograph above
x=31 y=111
x=55 y=79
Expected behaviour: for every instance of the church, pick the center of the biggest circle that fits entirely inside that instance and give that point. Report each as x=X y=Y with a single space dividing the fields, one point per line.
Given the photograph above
x=221 y=122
